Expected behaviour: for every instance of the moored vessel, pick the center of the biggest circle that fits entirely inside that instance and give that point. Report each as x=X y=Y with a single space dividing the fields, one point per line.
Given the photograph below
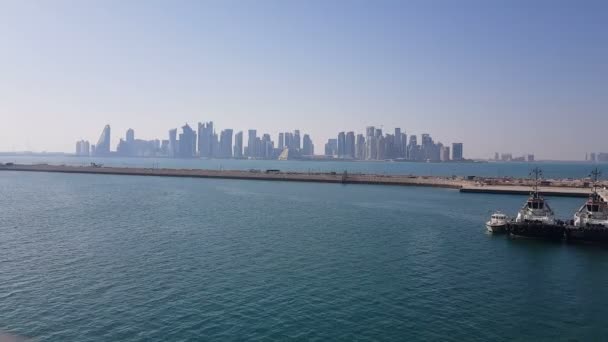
x=536 y=218
x=497 y=223
x=590 y=223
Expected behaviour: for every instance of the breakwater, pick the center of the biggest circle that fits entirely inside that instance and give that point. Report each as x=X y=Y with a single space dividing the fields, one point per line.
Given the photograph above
x=569 y=188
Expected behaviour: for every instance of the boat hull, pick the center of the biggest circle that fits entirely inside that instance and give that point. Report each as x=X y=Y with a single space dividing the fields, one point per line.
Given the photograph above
x=536 y=230
x=502 y=228
x=587 y=234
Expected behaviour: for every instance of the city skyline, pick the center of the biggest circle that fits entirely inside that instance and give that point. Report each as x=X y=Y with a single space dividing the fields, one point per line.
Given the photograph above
x=205 y=142
x=506 y=77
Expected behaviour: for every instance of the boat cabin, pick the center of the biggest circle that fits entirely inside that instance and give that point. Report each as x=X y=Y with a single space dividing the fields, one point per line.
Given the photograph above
x=536 y=203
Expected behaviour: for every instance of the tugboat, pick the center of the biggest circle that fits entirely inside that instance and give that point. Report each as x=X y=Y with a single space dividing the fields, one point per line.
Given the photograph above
x=497 y=223
x=590 y=222
x=536 y=218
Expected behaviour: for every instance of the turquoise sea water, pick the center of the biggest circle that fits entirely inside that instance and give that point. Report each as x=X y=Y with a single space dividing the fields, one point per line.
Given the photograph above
x=116 y=258
x=499 y=169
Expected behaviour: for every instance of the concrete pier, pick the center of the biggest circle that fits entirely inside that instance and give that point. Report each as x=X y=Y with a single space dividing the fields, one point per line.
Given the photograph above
x=569 y=188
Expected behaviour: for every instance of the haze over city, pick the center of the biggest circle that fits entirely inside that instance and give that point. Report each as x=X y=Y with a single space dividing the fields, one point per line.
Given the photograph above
x=499 y=77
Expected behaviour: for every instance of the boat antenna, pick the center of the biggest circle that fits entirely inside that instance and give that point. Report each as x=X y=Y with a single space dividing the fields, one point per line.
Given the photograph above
x=595 y=175
x=537 y=173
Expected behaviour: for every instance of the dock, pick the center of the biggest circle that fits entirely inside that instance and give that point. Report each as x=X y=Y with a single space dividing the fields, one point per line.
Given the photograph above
x=563 y=188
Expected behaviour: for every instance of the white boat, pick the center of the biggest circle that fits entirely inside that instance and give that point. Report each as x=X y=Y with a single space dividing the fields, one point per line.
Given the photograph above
x=498 y=222
x=594 y=213
x=536 y=209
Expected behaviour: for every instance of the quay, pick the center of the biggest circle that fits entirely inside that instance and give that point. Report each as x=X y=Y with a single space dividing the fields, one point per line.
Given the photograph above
x=569 y=188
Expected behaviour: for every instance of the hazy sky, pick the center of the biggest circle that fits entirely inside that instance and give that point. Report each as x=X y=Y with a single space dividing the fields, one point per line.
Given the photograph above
x=508 y=76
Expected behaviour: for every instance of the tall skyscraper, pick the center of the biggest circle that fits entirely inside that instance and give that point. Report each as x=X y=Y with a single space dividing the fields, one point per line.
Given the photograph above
x=187 y=142
x=226 y=144
x=281 y=141
x=205 y=139
x=308 y=148
x=252 y=149
x=173 y=148
x=130 y=136
x=83 y=148
x=238 y=145
x=360 y=147
x=445 y=153
x=103 y=144
x=331 y=147
x=396 y=149
x=296 y=139
x=457 y=153
x=349 y=146
x=341 y=145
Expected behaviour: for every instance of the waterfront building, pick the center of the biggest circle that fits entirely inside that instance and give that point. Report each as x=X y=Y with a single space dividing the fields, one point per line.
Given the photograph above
x=444 y=153
x=130 y=136
x=281 y=141
x=173 y=148
x=238 y=145
x=341 y=145
x=225 y=144
x=360 y=147
x=205 y=139
x=592 y=157
x=457 y=153
x=308 y=148
x=296 y=140
x=412 y=148
x=252 y=143
x=83 y=148
x=102 y=148
x=349 y=146
x=187 y=142
x=331 y=148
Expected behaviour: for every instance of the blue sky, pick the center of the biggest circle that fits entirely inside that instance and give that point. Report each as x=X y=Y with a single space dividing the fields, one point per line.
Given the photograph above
x=508 y=76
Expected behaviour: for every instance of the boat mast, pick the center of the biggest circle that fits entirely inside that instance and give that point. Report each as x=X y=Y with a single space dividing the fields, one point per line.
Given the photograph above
x=595 y=175
x=537 y=173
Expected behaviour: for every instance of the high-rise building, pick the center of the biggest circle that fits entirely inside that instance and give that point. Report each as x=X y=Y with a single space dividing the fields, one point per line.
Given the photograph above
x=83 y=148
x=457 y=153
x=296 y=139
x=349 y=145
x=130 y=136
x=205 y=139
x=308 y=148
x=103 y=144
x=252 y=148
x=281 y=141
x=592 y=157
x=173 y=144
x=445 y=153
x=397 y=151
x=413 y=149
x=341 y=145
x=187 y=142
x=360 y=147
x=331 y=147
x=226 y=144
x=238 y=145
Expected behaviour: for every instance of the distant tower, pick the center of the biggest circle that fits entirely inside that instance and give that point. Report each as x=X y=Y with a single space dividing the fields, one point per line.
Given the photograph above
x=457 y=151
x=238 y=145
x=103 y=144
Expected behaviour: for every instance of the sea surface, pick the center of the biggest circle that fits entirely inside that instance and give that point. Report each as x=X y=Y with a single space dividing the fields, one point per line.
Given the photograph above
x=127 y=258
x=494 y=169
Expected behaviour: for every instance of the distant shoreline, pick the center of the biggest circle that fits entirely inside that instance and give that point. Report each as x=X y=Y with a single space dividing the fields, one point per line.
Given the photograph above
x=521 y=186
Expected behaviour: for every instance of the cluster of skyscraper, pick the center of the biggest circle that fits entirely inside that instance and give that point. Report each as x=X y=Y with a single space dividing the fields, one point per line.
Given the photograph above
x=508 y=157
x=377 y=146
x=205 y=143
x=597 y=157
